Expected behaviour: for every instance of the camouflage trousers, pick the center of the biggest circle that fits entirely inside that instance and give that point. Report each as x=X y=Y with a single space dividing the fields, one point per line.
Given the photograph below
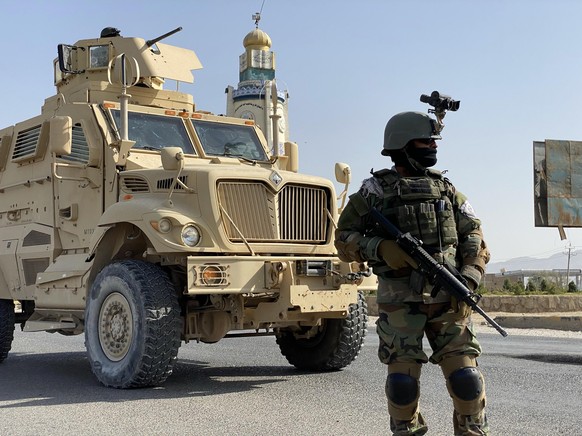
x=401 y=328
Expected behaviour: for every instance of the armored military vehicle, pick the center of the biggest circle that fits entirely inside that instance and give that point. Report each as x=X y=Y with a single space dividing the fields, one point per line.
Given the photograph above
x=129 y=215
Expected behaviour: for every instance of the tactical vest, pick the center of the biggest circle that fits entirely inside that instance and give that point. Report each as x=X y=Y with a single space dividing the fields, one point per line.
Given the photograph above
x=422 y=206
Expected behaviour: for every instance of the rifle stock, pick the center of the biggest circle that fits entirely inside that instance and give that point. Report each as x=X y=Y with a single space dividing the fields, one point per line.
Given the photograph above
x=443 y=277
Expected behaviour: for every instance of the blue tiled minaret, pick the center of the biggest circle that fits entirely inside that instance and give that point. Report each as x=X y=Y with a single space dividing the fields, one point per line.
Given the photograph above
x=252 y=98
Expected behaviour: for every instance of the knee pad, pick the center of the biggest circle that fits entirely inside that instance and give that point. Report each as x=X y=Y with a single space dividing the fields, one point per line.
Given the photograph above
x=467 y=389
x=401 y=389
x=467 y=383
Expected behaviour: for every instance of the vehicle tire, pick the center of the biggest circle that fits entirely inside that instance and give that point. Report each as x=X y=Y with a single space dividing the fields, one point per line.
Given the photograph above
x=132 y=325
x=334 y=347
x=6 y=327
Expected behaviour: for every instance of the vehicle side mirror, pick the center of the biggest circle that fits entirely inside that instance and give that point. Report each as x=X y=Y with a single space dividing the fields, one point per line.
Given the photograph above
x=343 y=173
x=172 y=158
x=292 y=153
x=61 y=135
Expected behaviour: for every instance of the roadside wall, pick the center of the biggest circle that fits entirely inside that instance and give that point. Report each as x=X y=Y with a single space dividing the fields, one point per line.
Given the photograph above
x=517 y=303
x=531 y=303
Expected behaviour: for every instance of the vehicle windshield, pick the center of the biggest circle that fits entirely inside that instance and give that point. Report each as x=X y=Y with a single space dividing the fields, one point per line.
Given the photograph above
x=154 y=132
x=219 y=139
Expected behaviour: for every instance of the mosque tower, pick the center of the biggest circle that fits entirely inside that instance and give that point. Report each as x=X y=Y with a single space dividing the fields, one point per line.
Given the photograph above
x=252 y=99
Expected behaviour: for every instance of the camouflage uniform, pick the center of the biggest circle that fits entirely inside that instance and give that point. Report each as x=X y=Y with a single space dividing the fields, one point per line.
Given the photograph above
x=430 y=208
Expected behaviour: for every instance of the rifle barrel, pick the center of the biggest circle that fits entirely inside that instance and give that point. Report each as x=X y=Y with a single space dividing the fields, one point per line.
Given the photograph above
x=490 y=320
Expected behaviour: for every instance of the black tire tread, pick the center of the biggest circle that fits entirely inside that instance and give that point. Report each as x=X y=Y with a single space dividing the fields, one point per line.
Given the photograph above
x=162 y=334
x=334 y=348
x=6 y=327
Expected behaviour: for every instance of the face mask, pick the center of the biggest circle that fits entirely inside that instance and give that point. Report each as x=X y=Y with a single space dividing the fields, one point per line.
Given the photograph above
x=424 y=156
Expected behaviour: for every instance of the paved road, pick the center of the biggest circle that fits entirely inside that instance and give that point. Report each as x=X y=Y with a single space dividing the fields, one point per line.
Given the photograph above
x=245 y=386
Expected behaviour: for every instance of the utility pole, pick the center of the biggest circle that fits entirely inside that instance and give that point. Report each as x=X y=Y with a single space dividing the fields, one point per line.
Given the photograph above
x=569 y=248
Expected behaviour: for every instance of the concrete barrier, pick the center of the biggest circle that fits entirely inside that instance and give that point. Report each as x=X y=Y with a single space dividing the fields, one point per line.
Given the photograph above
x=531 y=303
x=551 y=321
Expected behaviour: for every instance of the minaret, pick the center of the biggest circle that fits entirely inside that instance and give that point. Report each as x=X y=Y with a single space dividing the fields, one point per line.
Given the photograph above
x=252 y=99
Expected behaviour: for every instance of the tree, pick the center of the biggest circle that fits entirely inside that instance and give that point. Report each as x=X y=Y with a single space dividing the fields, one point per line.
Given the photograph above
x=514 y=287
x=533 y=284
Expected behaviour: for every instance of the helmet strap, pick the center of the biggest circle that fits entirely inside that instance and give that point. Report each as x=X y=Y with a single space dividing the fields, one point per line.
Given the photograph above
x=408 y=166
x=413 y=166
x=400 y=158
x=421 y=158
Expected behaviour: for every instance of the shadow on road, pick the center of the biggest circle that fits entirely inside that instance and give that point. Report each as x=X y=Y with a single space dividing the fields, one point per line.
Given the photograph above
x=569 y=359
x=66 y=378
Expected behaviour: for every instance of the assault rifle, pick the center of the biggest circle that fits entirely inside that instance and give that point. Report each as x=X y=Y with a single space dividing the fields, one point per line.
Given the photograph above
x=441 y=276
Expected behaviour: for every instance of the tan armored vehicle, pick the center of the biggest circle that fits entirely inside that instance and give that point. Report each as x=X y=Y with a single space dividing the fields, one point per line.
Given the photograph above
x=129 y=215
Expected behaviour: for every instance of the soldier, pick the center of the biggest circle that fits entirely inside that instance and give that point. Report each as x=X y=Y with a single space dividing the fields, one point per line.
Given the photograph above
x=421 y=201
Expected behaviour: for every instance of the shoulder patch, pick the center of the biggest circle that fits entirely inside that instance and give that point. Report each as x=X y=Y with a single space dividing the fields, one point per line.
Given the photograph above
x=467 y=210
x=371 y=186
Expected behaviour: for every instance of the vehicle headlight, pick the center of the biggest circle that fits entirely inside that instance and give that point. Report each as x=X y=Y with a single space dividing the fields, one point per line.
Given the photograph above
x=190 y=235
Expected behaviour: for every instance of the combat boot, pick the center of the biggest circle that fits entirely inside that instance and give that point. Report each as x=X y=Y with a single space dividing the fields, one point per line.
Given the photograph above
x=470 y=425
x=415 y=427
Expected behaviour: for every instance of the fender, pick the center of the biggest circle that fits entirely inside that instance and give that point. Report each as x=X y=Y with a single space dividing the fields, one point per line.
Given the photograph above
x=125 y=229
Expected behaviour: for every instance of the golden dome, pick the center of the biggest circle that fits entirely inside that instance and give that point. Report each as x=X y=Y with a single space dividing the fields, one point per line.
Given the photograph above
x=257 y=39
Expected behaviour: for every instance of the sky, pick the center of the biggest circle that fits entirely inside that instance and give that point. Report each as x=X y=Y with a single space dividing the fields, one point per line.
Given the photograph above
x=515 y=65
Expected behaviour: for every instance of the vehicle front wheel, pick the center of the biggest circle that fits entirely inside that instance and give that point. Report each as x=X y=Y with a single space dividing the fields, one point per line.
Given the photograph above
x=6 y=327
x=335 y=345
x=132 y=325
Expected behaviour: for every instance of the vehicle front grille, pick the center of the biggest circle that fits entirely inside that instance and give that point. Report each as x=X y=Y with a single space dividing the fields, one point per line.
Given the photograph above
x=296 y=214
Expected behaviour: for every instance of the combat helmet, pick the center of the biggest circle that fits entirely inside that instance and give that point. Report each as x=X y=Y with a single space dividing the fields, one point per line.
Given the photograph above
x=110 y=32
x=406 y=126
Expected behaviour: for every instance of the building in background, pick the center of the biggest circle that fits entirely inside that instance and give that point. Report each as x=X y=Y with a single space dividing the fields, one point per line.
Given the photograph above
x=561 y=277
x=253 y=99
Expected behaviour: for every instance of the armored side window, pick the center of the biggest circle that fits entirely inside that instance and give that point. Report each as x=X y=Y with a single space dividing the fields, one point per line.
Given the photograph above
x=98 y=56
x=68 y=60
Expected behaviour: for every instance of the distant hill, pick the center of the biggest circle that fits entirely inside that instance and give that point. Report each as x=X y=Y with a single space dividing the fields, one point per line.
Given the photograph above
x=556 y=261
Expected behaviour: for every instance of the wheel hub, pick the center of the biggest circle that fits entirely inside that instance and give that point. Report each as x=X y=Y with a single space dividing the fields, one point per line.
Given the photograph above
x=115 y=326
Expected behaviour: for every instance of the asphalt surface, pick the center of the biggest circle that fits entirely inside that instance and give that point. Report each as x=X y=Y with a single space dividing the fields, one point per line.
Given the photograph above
x=245 y=386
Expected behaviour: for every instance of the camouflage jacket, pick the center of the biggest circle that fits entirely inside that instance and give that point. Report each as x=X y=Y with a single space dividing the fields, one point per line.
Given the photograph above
x=430 y=208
